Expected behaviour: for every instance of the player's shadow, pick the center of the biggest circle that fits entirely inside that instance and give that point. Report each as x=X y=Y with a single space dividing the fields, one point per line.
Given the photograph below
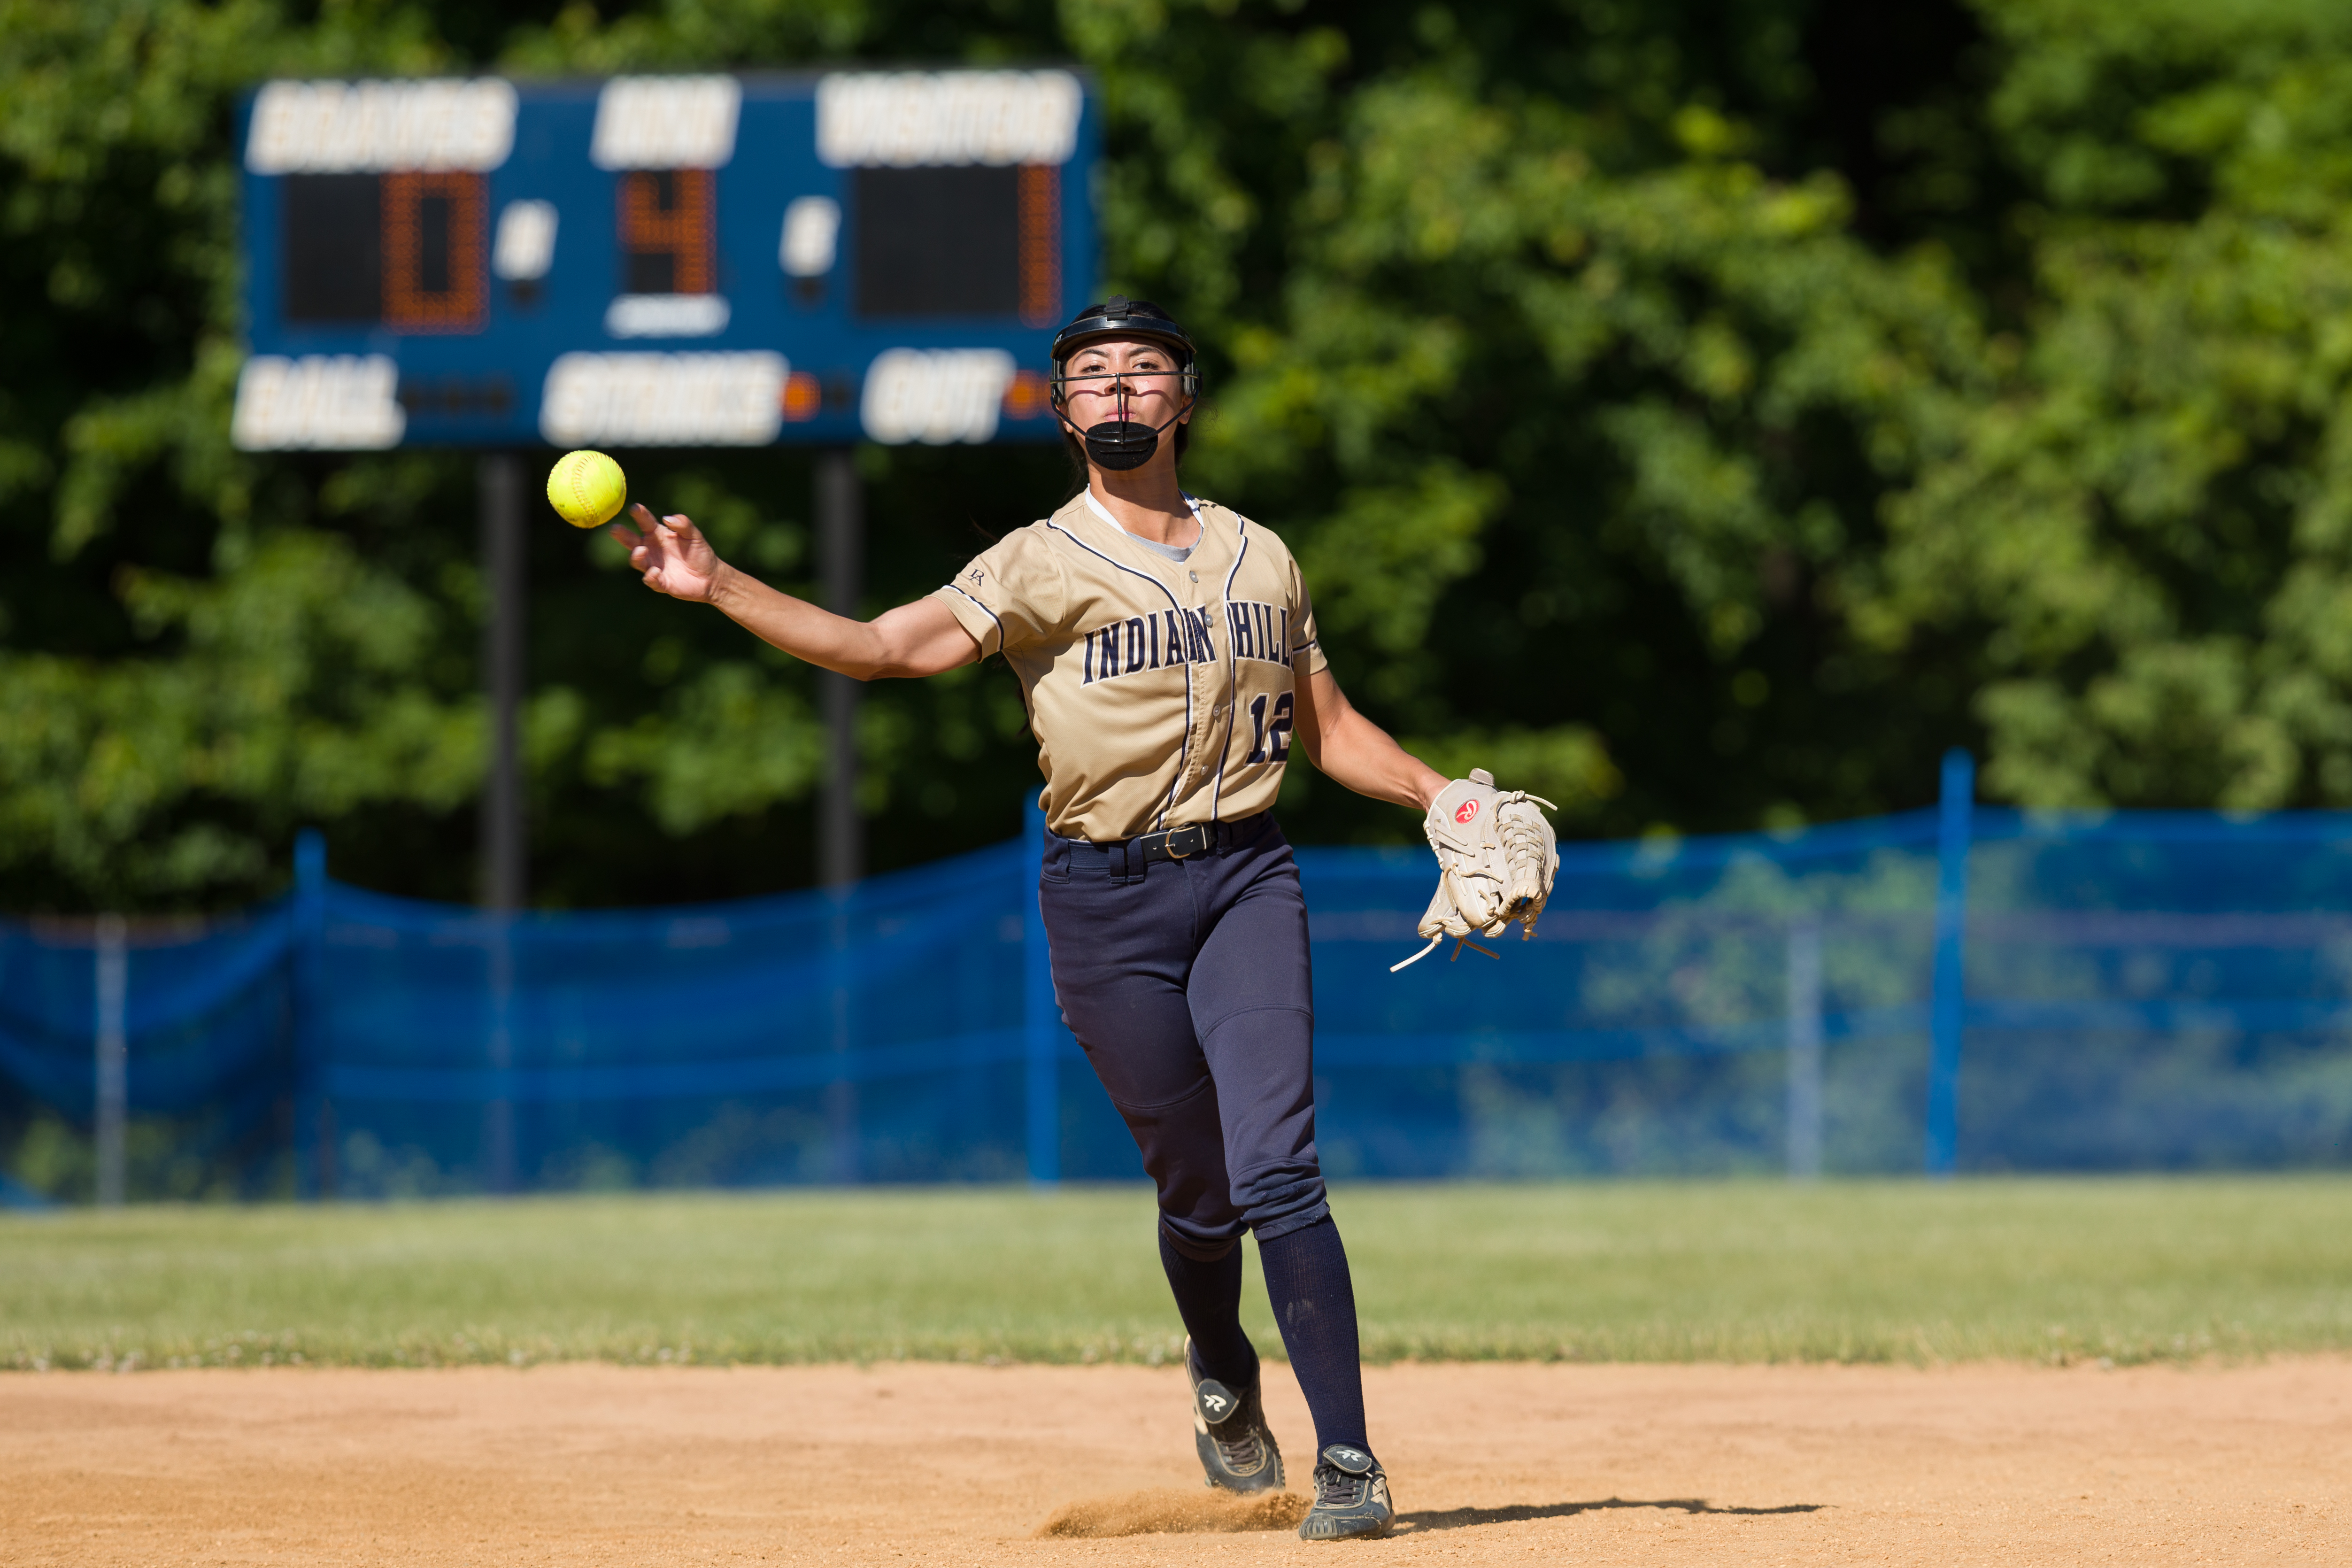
x=1516 y=1513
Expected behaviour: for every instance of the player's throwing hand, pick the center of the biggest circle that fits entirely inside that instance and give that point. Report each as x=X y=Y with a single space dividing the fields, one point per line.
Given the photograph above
x=670 y=553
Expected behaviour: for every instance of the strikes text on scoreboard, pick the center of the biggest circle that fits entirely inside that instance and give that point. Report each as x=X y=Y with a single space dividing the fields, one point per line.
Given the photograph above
x=685 y=261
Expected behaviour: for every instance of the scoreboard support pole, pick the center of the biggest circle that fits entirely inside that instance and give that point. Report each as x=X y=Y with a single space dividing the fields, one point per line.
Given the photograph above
x=502 y=839
x=840 y=830
x=502 y=830
x=841 y=557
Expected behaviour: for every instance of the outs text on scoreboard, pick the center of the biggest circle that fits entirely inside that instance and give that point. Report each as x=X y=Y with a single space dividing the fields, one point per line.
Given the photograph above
x=680 y=260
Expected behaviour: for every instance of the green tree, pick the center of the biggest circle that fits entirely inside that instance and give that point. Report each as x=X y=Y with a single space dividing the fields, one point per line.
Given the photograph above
x=2144 y=528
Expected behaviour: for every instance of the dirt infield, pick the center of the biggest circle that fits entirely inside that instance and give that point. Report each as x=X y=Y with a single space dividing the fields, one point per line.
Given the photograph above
x=1692 y=1464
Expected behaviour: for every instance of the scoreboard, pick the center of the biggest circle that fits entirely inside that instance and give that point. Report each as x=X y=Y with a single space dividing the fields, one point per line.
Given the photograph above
x=661 y=260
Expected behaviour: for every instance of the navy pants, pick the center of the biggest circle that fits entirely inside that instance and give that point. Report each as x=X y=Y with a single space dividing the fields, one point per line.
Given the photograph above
x=1189 y=987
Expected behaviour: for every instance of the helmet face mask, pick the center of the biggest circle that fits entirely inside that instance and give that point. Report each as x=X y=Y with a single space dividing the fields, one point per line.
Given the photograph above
x=1122 y=443
x=1063 y=383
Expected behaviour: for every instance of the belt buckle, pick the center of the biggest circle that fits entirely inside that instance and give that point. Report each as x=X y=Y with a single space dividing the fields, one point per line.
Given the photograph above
x=1194 y=845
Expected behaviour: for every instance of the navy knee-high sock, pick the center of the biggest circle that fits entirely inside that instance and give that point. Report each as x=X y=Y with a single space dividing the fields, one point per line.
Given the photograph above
x=1314 y=1303
x=1208 y=1299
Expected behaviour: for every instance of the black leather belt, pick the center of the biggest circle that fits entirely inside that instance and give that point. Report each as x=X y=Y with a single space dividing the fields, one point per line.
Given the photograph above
x=1128 y=858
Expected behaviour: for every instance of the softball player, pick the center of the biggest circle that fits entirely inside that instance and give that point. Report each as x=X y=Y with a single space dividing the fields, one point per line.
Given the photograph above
x=1166 y=647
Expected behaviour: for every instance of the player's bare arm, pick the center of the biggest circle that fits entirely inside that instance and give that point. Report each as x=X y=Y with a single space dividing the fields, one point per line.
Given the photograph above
x=1357 y=752
x=673 y=558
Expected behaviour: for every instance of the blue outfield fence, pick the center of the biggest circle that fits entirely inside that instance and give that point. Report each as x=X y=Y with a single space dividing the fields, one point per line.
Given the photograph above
x=1959 y=989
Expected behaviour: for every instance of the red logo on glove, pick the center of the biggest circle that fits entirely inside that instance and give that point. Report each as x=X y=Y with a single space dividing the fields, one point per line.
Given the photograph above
x=1469 y=810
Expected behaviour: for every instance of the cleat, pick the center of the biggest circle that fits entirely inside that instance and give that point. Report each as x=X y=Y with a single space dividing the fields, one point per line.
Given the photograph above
x=1229 y=1428
x=1352 y=1497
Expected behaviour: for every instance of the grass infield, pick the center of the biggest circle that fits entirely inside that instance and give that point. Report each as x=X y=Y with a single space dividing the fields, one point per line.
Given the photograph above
x=2136 y=1270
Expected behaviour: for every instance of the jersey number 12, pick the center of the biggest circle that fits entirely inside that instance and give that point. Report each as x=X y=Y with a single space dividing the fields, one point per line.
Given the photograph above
x=1272 y=741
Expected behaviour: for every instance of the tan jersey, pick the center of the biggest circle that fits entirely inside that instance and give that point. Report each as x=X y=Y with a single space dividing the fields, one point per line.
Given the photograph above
x=1160 y=692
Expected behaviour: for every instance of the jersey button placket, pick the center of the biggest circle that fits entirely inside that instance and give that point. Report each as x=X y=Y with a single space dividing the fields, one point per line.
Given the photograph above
x=1206 y=693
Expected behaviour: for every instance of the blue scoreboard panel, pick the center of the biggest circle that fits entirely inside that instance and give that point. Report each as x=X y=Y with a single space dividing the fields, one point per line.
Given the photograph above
x=681 y=260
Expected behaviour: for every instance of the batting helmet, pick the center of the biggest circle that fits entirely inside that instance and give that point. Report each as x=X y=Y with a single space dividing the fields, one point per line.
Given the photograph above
x=1120 y=317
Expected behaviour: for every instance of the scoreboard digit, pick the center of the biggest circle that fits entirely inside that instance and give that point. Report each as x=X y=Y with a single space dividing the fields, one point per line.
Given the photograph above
x=683 y=260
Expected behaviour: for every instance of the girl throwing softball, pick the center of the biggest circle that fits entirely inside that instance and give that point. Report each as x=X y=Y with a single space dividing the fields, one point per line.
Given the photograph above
x=1167 y=650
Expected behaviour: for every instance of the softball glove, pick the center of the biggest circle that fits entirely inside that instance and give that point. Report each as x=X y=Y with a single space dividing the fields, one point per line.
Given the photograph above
x=1497 y=857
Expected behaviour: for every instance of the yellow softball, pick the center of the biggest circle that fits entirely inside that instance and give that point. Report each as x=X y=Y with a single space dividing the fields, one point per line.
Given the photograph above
x=586 y=489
